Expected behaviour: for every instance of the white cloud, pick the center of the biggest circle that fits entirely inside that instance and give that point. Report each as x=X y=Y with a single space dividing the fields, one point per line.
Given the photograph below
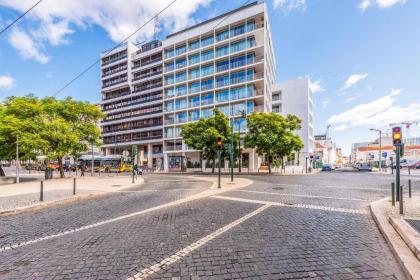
x=353 y=79
x=289 y=5
x=316 y=86
x=377 y=113
x=349 y=99
x=364 y=4
x=54 y=21
x=7 y=82
x=26 y=47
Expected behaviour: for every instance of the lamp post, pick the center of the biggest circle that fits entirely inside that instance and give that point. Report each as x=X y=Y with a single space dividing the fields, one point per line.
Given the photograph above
x=243 y=115
x=231 y=151
x=17 y=160
x=380 y=146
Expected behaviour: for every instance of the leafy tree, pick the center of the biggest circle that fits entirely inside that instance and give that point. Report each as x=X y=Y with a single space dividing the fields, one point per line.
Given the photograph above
x=273 y=135
x=202 y=135
x=47 y=126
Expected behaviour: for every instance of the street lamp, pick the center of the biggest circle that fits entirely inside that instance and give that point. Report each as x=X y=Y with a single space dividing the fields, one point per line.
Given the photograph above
x=380 y=146
x=243 y=115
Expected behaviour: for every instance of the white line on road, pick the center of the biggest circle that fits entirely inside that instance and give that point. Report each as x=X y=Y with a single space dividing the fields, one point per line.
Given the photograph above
x=183 y=252
x=302 y=195
x=308 y=206
x=336 y=187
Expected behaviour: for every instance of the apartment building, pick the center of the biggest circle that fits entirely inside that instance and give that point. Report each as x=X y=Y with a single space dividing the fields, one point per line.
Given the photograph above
x=295 y=97
x=150 y=91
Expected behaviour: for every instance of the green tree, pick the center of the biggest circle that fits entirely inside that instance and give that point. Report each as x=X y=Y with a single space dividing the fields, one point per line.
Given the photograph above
x=272 y=135
x=202 y=134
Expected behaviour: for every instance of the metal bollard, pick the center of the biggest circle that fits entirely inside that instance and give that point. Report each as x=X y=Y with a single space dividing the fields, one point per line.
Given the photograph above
x=409 y=188
x=74 y=186
x=393 y=193
x=41 y=195
x=401 y=201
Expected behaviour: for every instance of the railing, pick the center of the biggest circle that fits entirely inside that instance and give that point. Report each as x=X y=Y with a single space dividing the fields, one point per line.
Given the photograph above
x=135 y=102
x=114 y=59
x=113 y=71
x=116 y=95
x=169 y=122
x=147 y=88
x=194 y=104
x=146 y=75
x=131 y=116
x=131 y=127
x=138 y=65
x=173 y=148
x=105 y=85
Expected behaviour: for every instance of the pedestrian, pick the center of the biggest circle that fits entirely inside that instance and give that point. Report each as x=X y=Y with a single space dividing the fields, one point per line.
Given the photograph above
x=136 y=169
x=82 y=169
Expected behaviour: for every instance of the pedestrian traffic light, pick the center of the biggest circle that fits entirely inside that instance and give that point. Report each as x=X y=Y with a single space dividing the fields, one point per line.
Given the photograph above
x=396 y=135
x=219 y=142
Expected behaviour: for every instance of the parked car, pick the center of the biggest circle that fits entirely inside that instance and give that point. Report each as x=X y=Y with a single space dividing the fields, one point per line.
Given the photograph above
x=364 y=167
x=326 y=167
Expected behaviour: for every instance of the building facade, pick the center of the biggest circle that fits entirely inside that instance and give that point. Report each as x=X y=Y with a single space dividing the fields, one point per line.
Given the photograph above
x=149 y=91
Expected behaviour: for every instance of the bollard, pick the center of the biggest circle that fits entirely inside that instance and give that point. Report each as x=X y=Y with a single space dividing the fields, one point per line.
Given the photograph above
x=393 y=193
x=74 y=186
x=409 y=188
x=401 y=201
x=41 y=195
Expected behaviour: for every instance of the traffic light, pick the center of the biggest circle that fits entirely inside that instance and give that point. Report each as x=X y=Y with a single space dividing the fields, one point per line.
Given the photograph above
x=219 y=142
x=397 y=135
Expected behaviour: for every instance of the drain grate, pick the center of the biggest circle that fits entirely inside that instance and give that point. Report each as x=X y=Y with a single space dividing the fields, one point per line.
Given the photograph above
x=278 y=188
x=414 y=223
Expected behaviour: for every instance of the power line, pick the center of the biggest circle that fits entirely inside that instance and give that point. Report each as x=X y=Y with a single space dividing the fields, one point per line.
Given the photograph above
x=21 y=16
x=109 y=51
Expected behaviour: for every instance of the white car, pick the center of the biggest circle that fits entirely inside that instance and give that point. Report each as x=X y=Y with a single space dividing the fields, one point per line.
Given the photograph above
x=364 y=167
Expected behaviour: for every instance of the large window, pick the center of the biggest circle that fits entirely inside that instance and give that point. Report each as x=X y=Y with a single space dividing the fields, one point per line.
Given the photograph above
x=169 y=92
x=169 y=79
x=224 y=109
x=181 y=49
x=207 y=41
x=207 y=113
x=169 y=132
x=207 y=84
x=222 y=96
x=169 y=66
x=207 y=99
x=237 y=46
x=222 y=35
x=181 y=117
x=223 y=50
x=207 y=70
x=181 y=63
x=241 y=92
x=237 y=62
x=169 y=106
x=222 y=81
x=194 y=101
x=223 y=66
x=194 y=115
x=250 y=26
x=169 y=53
x=207 y=55
x=181 y=76
x=194 y=45
x=238 y=30
x=181 y=90
x=194 y=59
x=180 y=104
x=194 y=73
x=194 y=87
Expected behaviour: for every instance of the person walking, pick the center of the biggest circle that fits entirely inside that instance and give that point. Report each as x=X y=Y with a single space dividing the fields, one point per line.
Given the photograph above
x=82 y=169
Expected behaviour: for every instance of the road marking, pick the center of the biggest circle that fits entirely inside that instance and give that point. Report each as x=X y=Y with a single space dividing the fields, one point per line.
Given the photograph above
x=177 y=189
x=194 y=246
x=308 y=206
x=302 y=195
x=337 y=187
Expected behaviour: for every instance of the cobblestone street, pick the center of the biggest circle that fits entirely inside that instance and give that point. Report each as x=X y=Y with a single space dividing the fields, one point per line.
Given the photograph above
x=279 y=227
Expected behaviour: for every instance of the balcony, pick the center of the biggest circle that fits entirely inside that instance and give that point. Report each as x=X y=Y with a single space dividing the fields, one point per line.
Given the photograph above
x=105 y=85
x=104 y=63
x=138 y=65
x=144 y=76
x=147 y=87
x=112 y=96
x=113 y=71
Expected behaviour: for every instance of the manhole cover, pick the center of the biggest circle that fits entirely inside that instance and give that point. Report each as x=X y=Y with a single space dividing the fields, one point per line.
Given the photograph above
x=116 y=186
x=414 y=223
x=278 y=188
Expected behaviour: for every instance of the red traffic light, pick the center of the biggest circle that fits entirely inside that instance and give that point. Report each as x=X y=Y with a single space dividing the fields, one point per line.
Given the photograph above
x=396 y=135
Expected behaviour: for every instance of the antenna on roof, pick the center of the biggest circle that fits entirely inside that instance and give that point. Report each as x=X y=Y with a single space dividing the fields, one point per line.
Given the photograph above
x=156 y=27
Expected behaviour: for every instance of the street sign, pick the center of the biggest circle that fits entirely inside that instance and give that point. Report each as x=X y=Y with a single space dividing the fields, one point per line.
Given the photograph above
x=384 y=154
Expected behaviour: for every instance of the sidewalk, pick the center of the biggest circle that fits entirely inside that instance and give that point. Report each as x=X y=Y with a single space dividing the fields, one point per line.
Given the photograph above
x=403 y=172
x=399 y=230
x=17 y=197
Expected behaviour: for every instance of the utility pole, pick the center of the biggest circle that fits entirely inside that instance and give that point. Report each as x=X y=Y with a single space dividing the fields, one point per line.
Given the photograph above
x=91 y=171
x=397 y=140
x=380 y=146
x=219 y=145
x=17 y=160
x=231 y=152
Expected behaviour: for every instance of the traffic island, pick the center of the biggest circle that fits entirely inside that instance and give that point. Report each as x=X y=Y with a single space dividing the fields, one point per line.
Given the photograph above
x=400 y=232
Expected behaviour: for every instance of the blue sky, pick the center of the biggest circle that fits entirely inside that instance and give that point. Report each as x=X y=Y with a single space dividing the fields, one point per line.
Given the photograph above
x=362 y=56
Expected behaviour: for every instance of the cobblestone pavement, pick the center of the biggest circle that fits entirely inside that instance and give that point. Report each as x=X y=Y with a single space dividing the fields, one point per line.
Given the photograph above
x=210 y=238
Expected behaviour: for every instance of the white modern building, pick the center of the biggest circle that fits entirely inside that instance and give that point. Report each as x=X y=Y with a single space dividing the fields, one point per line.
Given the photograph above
x=295 y=97
x=149 y=91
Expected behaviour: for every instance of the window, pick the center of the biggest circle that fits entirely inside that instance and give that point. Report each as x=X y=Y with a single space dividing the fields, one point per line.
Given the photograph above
x=181 y=49
x=207 y=55
x=194 y=101
x=169 y=79
x=222 y=35
x=250 y=107
x=169 y=132
x=194 y=115
x=250 y=26
x=181 y=117
x=181 y=90
x=223 y=66
x=180 y=104
x=181 y=76
x=237 y=108
x=194 y=45
x=238 y=77
x=251 y=75
x=238 y=93
x=169 y=92
x=169 y=119
x=224 y=109
x=222 y=81
x=276 y=96
x=169 y=53
x=237 y=46
x=277 y=108
x=194 y=59
x=238 y=30
x=169 y=66
x=195 y=87
x=223 y=50
x=250 y=42
x=178 y=131
x=181 y=63
x=207 y=41
x=194 y=73
x=169 y=106
x=207 y=99
x=237 y=62
x=207 y=84
x=207 y=70
x=222 y=96
x=207 y=113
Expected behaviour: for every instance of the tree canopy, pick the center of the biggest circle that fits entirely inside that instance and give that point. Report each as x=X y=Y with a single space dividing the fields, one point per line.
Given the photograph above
x=48 y=126
x=273 y=135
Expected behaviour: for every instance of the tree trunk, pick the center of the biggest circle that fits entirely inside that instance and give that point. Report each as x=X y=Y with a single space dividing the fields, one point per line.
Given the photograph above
x=214 y=164
x=269 y=167
x=60 y=167
x=2 y=171
x=201 y=161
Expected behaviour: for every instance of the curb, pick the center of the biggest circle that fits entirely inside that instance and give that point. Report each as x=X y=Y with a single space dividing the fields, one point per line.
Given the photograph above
x=403 y=254
x=63 y=201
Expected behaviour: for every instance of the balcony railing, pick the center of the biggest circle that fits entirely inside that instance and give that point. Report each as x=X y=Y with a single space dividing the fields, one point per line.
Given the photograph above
x=105 y=85
x=138 y=65
x=116 y=95
x=147 y=87
x=146 y=75
x=131 y=127
x=113 y=71
x=114 y=59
